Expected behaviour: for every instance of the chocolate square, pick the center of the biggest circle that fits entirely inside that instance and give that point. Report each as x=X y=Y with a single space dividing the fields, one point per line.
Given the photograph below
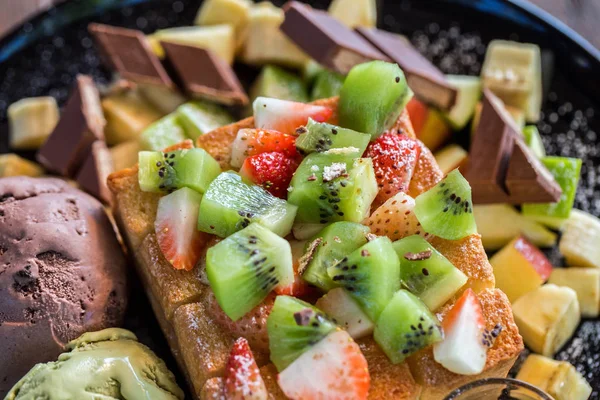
x=204 y=74
x=81 y=123
x=95 y=170
x=128 y=52
x=325 y=39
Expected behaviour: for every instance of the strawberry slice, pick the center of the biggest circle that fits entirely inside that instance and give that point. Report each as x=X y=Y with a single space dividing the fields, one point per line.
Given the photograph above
x=404 y=124
x=464 y=348
x=242 y=376
x=250 y=142
x=333 y=369
x=394 y=158
x=273 y=171
x=175 y=226
x=299 y=287
x=286 y=116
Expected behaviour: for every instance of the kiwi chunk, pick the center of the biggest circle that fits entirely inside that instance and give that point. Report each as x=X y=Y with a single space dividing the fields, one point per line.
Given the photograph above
x=405 y=326
x=327 y=84
x=446 y=210
x=229 y=204
x=165 y=172
x=321 y=136
x=534 y=140
x=275 y=82
x=293 y=327
x=163 y=133
x=373 y=96
x=245 y=267
x=371 y=274
x=332 y=186
x=426 y=273
x=200 y=117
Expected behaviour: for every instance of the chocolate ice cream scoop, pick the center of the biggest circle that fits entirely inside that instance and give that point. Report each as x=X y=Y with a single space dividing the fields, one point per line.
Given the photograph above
x=62 y=272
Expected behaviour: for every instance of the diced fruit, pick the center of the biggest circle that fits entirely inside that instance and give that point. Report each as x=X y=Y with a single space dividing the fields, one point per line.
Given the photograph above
x=229 y=205
x=163 y=133
x=370 y=274
x=328 y=247
x=333 y=186
x=520 y=268
x=13 y=165
x=164 y=172
x=496 y=233
x=547 y=317
x=299 y=287
x=463 y=350
x=426 y=273
x=353 y=13
x=125 y=155
x=310 y=70
x=175 y=227
x=396 y=218
x=294 y=326
x=451 y=157
x=469 y=92
x=250 y=142
x=321 y=136
x=242 y=376
x=272 y=171
x=31 y=121
x=534 y=141
x=579 y=240
x=275 y=82
x=200 y=117
x=327 y=84
x=286 y=116
x=164 y=99
x=429 y=125
x=405 y=326
x=513 y=71
x=334 y=368
x=346 y=312
x=246 y=266
x=557 y=378
x=446 y=210
x=394 y=158
x=566 y=173
x=231 y=12
x=585 y=282
x=373 y=96
x=218 y=38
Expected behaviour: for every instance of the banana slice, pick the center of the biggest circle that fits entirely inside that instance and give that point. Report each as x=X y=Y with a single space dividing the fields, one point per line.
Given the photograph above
x=451 y=157
x=557 y=378
x=579 y=243
x=513 y=71
x=125 y=155
x=354 y=13
x=163 y=99
x=31 y=121
x=547 y=317
x=231 y=12
x=585 y=282
x=13 y=165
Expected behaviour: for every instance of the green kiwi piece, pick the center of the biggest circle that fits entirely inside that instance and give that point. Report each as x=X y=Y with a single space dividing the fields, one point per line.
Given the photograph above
x=165 y=172
x=293 y=327
x=320 y=137
x=371 y=274
x=372 y=97
x=327 y=84
x=534 y=141
x=277 y=83
x=426 y=273
x=244 y=268
x=200 y=117
x=332 y=186
x=230 y=204
x=330 y=246
x=405 y=326
x=163 y=133
x=446 y=210
x=566 y=172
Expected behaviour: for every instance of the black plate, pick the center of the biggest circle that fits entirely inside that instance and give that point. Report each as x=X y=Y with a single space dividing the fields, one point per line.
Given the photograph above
x=43 y=56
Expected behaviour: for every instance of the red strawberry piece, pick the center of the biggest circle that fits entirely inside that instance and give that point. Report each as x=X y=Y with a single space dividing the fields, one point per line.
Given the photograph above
x=242 y=376
x=250 y=142
x=394 y=158
x=286 y=116
x=404 y=125
x=273 y=171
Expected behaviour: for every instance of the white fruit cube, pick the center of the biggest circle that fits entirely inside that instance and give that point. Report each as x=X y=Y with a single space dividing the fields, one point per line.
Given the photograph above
x=31 y=121
x=580 y=240
x=346 y=312
x=585 y=282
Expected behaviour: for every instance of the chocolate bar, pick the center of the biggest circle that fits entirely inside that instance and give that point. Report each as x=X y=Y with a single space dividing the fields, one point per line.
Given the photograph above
x=96 y=168
x=202 y=73
x=328 y=41
x=128 y=52
x=427 y=82
x=81 y=123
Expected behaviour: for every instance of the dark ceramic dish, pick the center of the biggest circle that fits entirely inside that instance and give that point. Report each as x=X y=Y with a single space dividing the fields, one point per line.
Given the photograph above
x=43 y=56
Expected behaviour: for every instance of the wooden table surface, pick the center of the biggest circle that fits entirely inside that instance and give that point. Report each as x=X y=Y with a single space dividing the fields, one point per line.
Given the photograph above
x=581 y=15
